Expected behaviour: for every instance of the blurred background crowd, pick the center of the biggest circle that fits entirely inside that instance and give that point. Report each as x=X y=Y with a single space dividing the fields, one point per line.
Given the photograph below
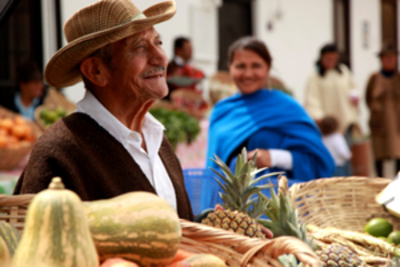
x=336 y=58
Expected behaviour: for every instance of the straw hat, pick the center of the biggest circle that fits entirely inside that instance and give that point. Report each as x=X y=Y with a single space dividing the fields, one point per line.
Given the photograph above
x=95 y=26
x=387 y=48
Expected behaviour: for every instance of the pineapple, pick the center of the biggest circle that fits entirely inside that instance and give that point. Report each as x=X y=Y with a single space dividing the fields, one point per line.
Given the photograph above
x=338 y=255
x=242 y=207
x=284 y=222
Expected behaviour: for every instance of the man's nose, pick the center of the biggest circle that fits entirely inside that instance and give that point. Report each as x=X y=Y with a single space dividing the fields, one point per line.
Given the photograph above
x=158 y=56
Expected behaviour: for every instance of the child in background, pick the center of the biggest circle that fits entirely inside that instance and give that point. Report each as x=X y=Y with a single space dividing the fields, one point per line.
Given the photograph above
x=336 y=144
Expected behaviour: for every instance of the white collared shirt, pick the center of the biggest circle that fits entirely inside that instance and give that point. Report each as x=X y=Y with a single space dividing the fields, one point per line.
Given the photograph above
x=179 y=61
x=149 y=162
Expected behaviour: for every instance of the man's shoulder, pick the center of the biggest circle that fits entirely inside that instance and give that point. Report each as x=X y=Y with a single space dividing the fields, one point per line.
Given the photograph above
x=66 y=131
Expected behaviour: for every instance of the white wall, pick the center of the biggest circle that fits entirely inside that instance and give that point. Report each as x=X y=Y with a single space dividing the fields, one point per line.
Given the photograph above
x=365 y=44
x=296 y=38
x=195 y=19
x=68 y=8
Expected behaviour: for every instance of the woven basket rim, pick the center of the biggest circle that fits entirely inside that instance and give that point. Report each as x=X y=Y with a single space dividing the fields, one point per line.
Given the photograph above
x=346 y=203
x=16 y=200
x=253 y=249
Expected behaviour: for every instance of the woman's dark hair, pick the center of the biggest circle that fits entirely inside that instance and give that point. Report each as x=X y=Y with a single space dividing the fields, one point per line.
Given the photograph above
x=28 y=71
x=328 y=125
x=253 y=44
x=179 y=42
x=329 y=48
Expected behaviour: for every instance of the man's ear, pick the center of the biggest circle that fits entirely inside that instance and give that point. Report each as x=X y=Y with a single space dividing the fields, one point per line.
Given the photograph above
x=95 y=70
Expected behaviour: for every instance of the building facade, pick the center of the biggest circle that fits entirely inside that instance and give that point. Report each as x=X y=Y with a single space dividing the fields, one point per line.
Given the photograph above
x=294 y=31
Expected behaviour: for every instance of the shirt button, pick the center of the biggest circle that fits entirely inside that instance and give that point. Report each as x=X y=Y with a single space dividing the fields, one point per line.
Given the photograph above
x=132 y=135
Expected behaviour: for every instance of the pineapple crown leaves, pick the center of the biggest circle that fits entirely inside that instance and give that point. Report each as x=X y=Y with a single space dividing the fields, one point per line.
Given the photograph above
x=239 y=189
x=289 y=260
x=283 y=218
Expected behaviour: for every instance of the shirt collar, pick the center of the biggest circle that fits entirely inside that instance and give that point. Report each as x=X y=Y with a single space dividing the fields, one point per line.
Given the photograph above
x=91 y=106
x=179 y=61
x=27 y=112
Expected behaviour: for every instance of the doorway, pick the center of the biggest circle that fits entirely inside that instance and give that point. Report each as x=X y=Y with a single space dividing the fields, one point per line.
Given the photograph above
x=389 y=22
x=342 y=29
x=235 y=21
x=20 y=41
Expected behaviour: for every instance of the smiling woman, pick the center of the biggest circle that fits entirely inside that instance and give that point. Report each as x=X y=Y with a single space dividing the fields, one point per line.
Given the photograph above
x=263 y=120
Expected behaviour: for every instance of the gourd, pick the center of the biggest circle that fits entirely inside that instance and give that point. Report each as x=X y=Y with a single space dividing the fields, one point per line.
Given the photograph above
x=137 y=226
x=10 y=236
x=56 y=233
x=205 y=260
x=118 y=262
x=5 y=257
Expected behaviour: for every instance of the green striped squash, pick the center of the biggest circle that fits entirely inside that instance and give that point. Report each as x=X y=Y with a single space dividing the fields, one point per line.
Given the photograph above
x=138 y=226
x=10 y=235
x=5 y=257
x=56 y=233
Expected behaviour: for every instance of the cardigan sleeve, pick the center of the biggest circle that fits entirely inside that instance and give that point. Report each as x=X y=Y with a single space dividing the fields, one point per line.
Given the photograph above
x=313 y=103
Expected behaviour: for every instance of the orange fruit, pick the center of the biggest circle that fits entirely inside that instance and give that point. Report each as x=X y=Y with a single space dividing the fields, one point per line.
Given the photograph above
x=3 y=141
x=19 y=120
x=19 y=131
x=6 y=124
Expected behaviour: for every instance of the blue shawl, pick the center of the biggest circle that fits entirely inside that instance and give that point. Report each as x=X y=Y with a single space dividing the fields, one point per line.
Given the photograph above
x=271 y=119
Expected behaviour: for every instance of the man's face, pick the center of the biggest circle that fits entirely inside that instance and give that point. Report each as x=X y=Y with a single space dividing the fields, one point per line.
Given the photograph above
x=389 y=62
x=139 y=66
x=186 y=51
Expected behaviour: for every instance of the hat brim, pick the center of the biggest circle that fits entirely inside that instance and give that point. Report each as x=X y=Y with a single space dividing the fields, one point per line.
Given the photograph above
x=392 y=52
x=63 y=68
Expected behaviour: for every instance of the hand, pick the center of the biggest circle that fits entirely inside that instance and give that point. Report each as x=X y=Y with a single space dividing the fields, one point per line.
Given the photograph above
x=354 y=97
x=263 y=157
x=354 y=101
x=268 y=234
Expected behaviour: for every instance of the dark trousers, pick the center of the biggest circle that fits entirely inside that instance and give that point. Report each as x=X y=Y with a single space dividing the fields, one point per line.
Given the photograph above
x=379 y=167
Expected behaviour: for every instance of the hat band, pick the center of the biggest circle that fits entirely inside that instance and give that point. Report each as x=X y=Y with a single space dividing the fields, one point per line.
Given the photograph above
x=136 y=17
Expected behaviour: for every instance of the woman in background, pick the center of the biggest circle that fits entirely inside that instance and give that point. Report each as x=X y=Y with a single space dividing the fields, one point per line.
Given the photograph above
x=265 y=120
x=331 y=90
x=30 y=93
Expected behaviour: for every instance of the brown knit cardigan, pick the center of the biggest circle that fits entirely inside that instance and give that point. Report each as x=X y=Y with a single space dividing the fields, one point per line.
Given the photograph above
x=94 y=164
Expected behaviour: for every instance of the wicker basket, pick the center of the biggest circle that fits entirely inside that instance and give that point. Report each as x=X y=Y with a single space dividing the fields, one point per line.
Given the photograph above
x=239 y=250
x=53 y=100
x=236 y=250
x=346 y=203
x=13 y=209
x=10 y=158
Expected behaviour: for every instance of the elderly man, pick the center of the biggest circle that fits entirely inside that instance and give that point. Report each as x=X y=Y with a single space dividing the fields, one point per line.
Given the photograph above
x=111 y=144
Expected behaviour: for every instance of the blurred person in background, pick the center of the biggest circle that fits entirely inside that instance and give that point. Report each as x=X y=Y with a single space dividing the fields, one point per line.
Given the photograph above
x=265 y=120
x=180 y=66
x=336 y=144
x=30 y=93
x=331 y=90
x=383 y=100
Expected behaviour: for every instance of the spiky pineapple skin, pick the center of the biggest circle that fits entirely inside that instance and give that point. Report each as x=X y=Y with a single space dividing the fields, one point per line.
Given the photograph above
x=336 y=255
x=234 y=221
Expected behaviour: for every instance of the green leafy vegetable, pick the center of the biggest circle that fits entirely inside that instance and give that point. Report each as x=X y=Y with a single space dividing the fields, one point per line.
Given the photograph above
x=180 y=126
